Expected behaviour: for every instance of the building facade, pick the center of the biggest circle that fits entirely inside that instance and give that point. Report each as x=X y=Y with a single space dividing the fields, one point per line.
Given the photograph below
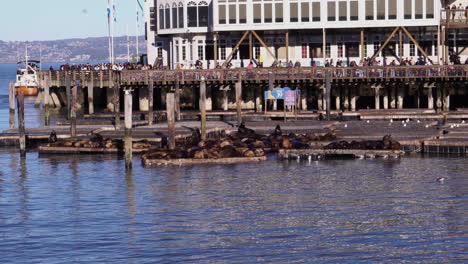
x=309 y=32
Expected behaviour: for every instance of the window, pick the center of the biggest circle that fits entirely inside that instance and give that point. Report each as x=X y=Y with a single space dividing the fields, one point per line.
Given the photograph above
x=161 y=18
x=331 y=11
x=304 y=51
x=268 y=13
x=304 y=12
x=419 y=9
x=294 y=16
x=160 y=54
x=167 y=16
x=175 y=23
x=408 y=9
x=412 y=50
x=232 y=14
x=380 y=9
x=223 y=52
x=177 y=53
x=257 y=12
x=316 y=11
x=342 y=11
x=392 y=9
x=279 y=12
x=354 y=10
x=369 y=9
x=340 y=50
x=256 y=52
x=352 y=49
x=200 y=52
x=222 y=14
x=430 y=9
x=328 y=50
x=203 y=14
x=184 y=52
x=192 y=14
x=242 y=14
x=315 y=50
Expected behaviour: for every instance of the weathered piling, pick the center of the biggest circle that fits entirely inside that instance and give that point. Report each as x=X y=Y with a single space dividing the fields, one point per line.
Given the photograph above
x=22 y=132
x=90 y=85
x=239 y=102
x=128 y=129
x=170 y=120
x=11 y=98
x=150 y=100
x=177 y=99
x=203 y=108
x=327 y=93
x=116 y=85
x=73 y=110
x=68 y=93
x=47 y=101
x=377 y=98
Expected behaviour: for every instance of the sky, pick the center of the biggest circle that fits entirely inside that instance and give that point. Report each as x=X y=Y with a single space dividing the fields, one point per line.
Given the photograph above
x=29 y=20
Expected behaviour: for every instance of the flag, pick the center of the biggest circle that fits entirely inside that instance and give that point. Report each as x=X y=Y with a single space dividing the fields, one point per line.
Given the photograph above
x=113 y=12
x=141 y=7
x=108 y=10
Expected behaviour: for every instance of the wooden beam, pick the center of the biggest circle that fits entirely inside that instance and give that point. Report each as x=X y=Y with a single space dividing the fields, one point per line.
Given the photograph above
x=170 y=120
x=215 y=47
x=11 y=98
x=226 y=62
x=22 y=130
x=324 y=45
x=250 y=46
x=400 y=45
x=128 y=144
x=416 y=43
x=385 y=43
x=287 y=47
x=363 y=56
x=264 y=45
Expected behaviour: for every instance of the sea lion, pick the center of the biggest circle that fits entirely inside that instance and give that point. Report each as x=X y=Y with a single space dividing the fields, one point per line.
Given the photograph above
x=286 y=142
x=277 y=131
x=53 y=137
x=243 y=130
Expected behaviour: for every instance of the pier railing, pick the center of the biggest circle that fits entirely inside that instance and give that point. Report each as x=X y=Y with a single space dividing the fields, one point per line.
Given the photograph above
x=454 y=18
x=262 y=74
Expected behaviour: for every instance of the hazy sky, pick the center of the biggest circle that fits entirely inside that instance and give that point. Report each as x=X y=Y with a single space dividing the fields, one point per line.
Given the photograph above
x=61 y=19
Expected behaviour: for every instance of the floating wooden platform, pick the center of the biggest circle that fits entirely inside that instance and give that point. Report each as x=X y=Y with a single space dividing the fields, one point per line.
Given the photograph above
x=82 y=150
x=188 y=162
x=321 y=153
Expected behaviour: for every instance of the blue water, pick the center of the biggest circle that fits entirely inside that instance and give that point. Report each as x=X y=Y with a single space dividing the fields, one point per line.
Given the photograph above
x=86 y=209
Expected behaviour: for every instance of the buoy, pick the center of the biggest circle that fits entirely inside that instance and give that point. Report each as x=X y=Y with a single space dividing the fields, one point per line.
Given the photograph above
x=440 y=179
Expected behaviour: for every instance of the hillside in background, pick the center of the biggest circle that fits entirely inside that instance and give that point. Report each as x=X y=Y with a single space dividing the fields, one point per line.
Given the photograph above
x=70 y=50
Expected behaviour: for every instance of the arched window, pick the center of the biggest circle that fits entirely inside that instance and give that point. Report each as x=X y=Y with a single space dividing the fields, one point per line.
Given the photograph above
x=203 y=14
x=175 y=23
x=192 y=14
x=161 y=17
x=181 y=15
x=167 y=16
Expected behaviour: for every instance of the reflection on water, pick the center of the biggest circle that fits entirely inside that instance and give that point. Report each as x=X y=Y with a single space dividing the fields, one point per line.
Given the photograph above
x=86 y=208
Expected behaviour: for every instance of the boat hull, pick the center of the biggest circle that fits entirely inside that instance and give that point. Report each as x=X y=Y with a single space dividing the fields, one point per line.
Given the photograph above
x=29 y=91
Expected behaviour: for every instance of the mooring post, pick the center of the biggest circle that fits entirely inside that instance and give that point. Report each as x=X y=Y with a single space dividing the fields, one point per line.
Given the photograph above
x=73 y=110
x=327 y=93
x=150 y=100
x=170 y=120
x=90 y=86
x=47 y=101
x=177 y=99
x=22 y=132
x=115 y=80
x=11 y=98
x=67 y=92
x=203 y=108
x=239 y=101
x=128 y=130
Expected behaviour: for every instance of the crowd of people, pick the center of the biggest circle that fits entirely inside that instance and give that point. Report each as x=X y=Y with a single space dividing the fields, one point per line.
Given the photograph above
x=103 y=67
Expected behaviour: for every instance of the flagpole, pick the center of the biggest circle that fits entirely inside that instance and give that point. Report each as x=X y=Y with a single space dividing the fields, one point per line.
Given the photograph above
x=128 y=46
x=112 y=31
x=137 y=28
x=109 y=29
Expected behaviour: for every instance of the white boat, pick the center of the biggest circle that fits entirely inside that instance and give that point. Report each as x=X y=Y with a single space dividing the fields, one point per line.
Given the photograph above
x=26 y=78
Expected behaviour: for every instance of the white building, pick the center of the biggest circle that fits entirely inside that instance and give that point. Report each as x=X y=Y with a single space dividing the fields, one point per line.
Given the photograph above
x=179 y=32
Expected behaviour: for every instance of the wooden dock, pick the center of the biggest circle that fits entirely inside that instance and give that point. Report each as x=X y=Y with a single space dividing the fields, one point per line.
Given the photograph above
x=189 y=162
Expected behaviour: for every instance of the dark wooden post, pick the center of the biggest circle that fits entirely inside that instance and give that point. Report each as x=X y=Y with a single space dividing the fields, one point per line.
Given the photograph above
x=202 y=104
x=170 y=120
x=47 y=101
x=150 y=100
x=67 y=92
x=11 y=98
x=116 y=85
x=177 y=99
x=327 y=93
x=91 y=94
x=128 y=130
x=73 y=110
x=239 y=101
x=22 y=132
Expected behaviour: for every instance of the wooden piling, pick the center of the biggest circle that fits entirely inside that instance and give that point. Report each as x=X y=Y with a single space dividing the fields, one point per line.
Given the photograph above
x=377 y=98
x=177 y=99
x=90 y=86
x=170 y=120
x=202 y=105
x=73 y=110
x=22 y=132
x=128 y=130
x=430 y=99
x=327 y=93
x=116 y=85
x=150 y=101
x=239 y=101
x=68 y=93
x=11 y=98
x=47 y=101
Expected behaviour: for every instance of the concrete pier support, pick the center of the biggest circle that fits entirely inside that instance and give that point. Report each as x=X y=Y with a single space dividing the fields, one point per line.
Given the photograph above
x=209 y=97
x=446 y=99
x=400 y=94
x=439 y=97
x=143 y=102
x=304 y=99
x=377 y=98
x=392 y=97
x=346 y=99
x=226 y=98
x=353 y=99
x=110 y=99
x=258 y=100
x=430 y=99
x=90 y=86
x=320 y=99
